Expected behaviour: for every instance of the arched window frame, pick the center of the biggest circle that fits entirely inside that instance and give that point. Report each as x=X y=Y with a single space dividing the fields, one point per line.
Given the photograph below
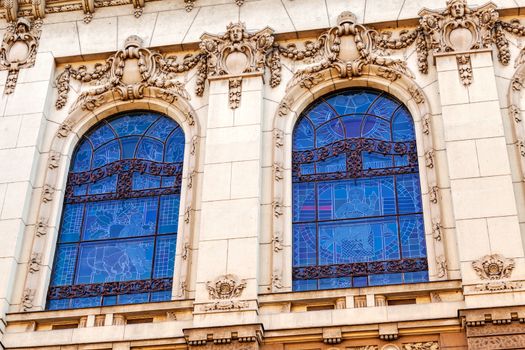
x=49 y=202
x=434 y=199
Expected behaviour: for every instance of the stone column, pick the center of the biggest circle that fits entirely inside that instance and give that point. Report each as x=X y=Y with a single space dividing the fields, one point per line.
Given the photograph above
x=484 y=204
x=226 y=284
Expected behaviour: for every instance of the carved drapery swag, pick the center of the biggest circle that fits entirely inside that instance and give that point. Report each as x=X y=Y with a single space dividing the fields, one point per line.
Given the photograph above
x=19 y=47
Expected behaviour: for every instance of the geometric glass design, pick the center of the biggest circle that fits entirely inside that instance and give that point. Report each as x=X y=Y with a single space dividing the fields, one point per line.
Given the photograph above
x=118 y=232
x=357 y=212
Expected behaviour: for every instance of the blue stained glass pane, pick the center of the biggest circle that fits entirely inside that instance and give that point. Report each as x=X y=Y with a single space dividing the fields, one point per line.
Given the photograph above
x=304 y=285
x=321 y=113
x=80 y=190
x=415 y=277
x=122 y=218
x=360 y=281
x=303 y=135
x=352 y=101
x=129 y=145
x=358 y=241
x=106 y=154
x=64 y=268
x=161 y=296
x=133 y=298
x=304 y=245
x=169 y=214
x=115 y=261
x=356 y=198
x=105 y=185
x=165 y=256
x=168 y=181
x=162 y=128
x=133 y=124
x=381 y=280
x=329 y=133
x=384 y=107
x=71 y=223
x=82 y=158
x=376 y=128
x=402 y=126
x=175 y=147
x=332 y=165
x=401 y=160
x=334 y=283
x=78 y=303
x=58 y=304
x=145 y=181
x=408 y=194
x=352 y=125
x=376 y=161
x=110 y=300
x=307 y=169
x=150 y=149
x=303 y=202
x=101 y=135
x=412 y=236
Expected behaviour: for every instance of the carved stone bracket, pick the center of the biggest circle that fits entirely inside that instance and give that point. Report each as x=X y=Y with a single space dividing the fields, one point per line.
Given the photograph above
x=19 y=48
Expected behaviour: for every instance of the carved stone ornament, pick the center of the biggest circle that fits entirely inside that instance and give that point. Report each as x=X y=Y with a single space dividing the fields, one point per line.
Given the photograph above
x=464 y=69
x=53 y=160
x=237 y=53
x=35 y=262
x=441 y=266
x=41 y=227
x=127 y=73
x=226 y=287
x=346 y=48
x=493 y=267
x=27 y=299
x=429 y=345
x=19 y=48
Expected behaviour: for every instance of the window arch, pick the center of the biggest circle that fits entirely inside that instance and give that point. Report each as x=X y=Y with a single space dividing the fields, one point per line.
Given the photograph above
x=117 y=238
x=356 y=207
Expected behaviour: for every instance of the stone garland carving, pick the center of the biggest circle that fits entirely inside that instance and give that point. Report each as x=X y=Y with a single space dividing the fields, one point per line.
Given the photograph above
x=19 y=48
x=430 y=345
x=464 y=69
x=127 y=73
x=224 y=289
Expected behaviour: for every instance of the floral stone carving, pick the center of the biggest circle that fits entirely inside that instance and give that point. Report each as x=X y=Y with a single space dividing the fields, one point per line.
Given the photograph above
x=237 y=53
x=127 y=73
x=493 y=267
x=19 y=48
x=223 y=290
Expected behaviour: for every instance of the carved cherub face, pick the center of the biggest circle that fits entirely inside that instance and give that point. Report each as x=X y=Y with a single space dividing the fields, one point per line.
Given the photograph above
x=21 y=28
x=457 y=8
x=236 y=33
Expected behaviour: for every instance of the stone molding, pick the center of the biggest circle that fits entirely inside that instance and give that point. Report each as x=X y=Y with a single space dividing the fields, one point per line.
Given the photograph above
x=248 y=337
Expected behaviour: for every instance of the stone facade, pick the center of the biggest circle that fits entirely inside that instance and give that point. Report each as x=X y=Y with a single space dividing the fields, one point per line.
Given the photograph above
x=236 y=75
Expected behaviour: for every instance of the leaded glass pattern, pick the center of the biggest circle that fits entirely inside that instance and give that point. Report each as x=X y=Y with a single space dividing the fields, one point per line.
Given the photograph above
x=118 y=233
x=357 y=212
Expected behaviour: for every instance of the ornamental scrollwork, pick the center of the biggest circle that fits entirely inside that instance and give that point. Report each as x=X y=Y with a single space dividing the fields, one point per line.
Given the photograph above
x=429 y=345
x=127 y=73
x=225 y=287
x=19 y=48
x=493 y=267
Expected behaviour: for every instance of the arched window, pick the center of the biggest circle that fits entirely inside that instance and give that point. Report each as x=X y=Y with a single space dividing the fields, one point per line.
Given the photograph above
x=357 y=213
x=117 y=238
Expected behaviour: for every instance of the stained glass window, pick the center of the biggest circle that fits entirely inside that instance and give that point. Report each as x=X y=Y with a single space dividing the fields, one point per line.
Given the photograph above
x=118 y=233
x=357 y=213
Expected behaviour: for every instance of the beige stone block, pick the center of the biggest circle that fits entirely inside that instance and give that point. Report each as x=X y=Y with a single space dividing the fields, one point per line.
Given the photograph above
x=233 y=144
x=462 y=159
x=243 y=257
x=222 y=16
x=472 y=121
x=250 y=110
x=482 y=59
x=220 y=115
x=307 y=14
x=505 y=236
x=102 y=334
x=382 y=11
x=12 y=232
x=432 y=93
x=483 y=197
x=230 y=219
x=446 y=63
x=473 y=238
x=3 y=190
x=335 y=7
x=9 y=129
x=155 y=330
x=171 y=26
x=130 y=25
x=60 y=38
x=31 y=130
x=17 y=200
x=17 y=164
x=100 y=35
x=492 y=156
x=43 y=69
x=28 y=98
x=483 y=87
x=213 y=259
x=217 y=181
x=8 y=270
x=451 y=89
x=245 y=179
x=262 y=13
